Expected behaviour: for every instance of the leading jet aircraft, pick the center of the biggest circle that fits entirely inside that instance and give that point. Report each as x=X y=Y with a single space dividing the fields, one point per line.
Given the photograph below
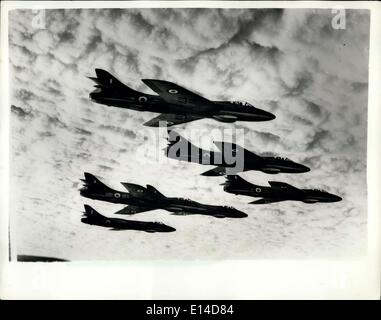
x=230 y=159
x=278 y=191
x=141 y=199
x=93 y=217
x=176 y=104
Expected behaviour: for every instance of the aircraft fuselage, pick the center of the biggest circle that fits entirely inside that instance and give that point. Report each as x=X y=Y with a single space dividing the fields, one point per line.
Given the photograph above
x=175 y=205
x=92 y=217
x=304 y=195
x=121 y=224
x=223 y=111
x=270 y=165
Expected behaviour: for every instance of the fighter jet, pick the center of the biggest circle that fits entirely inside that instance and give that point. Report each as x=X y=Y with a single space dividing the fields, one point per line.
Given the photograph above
x=141 y=199
x=230 y=159
x=278 y=191
x=175 y=104
x=93 y=217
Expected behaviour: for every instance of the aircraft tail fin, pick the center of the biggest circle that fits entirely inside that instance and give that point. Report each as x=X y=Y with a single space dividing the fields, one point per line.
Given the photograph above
x=91 y=216
x=93 y=184
x=174 y=137
x=180 y=148
x=106 y=82
x=235 y=181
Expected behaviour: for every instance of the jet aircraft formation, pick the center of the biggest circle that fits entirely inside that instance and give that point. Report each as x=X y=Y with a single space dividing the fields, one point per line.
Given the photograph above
x=178 y=105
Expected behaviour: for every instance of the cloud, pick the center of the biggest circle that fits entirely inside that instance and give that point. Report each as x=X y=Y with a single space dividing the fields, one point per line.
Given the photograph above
x=289 y=62
x=20 y=112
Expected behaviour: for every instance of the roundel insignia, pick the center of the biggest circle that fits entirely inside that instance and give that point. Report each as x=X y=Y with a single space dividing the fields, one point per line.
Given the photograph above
x=142 y=99
x=206 y=154
x=258 y=189
x=173 y=91
x=117 y=195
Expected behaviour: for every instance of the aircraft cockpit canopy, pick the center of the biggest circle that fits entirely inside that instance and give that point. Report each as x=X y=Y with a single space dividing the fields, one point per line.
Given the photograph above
x=283 y=158
x=242 y=103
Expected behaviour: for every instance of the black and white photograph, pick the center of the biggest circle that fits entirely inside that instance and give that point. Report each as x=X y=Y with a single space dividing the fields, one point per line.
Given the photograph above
x=188 y=134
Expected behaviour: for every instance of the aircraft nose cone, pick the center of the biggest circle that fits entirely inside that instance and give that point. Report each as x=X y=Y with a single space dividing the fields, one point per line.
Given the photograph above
x=336 y=198
x=267 y=116
x=169 y=229
x=240 y=214
x=270 y=116
x=303 y=169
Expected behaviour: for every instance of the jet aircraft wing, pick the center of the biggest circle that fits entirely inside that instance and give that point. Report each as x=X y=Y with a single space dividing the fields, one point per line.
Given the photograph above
x=134 y=189
x=283 y=185
x=217 y=171
x=173 y=93
x=170 y=120
x=265 y=200
x=132 y=210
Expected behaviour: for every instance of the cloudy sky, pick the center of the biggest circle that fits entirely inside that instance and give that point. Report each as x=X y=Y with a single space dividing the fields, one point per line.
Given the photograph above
x=313 y=77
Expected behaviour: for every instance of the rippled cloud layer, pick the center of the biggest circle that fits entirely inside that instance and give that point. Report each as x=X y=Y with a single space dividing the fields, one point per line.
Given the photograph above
x=289 y=62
